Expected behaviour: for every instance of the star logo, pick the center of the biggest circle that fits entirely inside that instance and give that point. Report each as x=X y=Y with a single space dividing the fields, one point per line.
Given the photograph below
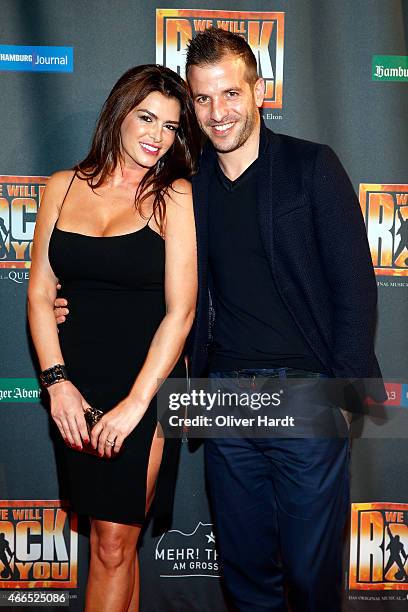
x=210 y=538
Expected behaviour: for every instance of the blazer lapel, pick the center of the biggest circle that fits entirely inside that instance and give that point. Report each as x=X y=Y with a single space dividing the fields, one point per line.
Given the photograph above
x=201 y=212
x=268 y=148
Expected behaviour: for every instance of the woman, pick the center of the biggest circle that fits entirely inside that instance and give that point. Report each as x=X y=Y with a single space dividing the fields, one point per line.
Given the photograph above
x=118 y=231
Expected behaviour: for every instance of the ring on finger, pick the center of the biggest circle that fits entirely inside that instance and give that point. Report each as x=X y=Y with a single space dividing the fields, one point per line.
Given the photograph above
x=110 y=442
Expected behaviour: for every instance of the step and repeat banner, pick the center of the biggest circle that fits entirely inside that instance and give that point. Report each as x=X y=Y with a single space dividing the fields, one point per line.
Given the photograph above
x=335 y=72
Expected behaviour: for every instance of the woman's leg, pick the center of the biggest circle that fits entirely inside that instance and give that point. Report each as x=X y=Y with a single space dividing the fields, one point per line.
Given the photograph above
x=111 y=570
x=156 y=452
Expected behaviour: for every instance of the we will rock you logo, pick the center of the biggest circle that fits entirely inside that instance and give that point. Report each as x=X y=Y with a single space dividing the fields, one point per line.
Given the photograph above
x=264 y=33
x=38 y=545
x=20 y=198
x=379 y=546
x=385 y=210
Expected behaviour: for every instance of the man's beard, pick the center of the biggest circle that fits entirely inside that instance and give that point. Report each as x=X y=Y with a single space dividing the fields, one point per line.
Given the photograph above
x=240 y=138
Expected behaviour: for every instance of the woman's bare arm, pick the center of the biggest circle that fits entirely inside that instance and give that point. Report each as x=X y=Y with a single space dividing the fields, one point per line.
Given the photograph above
x=66 y=401
x=42 y=285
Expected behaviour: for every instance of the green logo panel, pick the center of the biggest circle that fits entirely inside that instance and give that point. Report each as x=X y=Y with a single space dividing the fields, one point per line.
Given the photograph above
x=19 y=390
x=390 y=68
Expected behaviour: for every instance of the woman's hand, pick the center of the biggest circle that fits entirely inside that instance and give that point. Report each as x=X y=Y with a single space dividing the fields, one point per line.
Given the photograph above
x=115 y=426
x=67 y=410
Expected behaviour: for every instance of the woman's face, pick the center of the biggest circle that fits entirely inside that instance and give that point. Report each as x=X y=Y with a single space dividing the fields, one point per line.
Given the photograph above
x=149 y=130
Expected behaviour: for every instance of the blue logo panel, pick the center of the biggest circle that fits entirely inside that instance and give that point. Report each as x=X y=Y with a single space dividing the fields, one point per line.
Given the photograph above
x=36 y=58
x=404 y=396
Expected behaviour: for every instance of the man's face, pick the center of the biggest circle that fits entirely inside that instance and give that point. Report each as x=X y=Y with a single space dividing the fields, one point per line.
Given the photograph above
x=225 y=103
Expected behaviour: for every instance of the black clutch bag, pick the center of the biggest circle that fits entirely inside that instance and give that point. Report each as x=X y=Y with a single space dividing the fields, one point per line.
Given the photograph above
x=92 y=416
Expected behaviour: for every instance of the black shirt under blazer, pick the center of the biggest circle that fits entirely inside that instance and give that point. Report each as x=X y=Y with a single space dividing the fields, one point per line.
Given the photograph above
x=315 y=240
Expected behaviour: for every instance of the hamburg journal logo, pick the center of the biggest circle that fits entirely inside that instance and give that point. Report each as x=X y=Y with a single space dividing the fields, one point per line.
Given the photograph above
x=36 y=58
x=186 y=555
x=385 y=210
x=379 y=547
x=264 y=32
x=20 y=198
x=38 y=545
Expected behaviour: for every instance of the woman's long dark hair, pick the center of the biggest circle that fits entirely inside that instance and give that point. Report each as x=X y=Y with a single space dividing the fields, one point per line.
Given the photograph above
x=181 y=159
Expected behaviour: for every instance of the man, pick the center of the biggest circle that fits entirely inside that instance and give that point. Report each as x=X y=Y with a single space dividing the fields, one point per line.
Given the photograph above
x=282 y=250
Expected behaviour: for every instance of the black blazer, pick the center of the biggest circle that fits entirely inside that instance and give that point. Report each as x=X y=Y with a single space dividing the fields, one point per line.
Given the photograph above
x=316 y=244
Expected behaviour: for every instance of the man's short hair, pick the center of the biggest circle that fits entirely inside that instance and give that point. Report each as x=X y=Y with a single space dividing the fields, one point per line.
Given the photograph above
x=212 y=45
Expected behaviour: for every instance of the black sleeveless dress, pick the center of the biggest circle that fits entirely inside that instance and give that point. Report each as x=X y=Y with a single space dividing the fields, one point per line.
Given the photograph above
x=115 y=290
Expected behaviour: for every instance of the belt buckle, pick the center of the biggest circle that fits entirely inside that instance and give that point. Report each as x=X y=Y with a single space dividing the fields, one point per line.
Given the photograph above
x=246 y=382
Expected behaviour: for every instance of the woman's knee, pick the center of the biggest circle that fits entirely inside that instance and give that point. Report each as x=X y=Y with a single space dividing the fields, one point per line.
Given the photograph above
x=115 y=546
